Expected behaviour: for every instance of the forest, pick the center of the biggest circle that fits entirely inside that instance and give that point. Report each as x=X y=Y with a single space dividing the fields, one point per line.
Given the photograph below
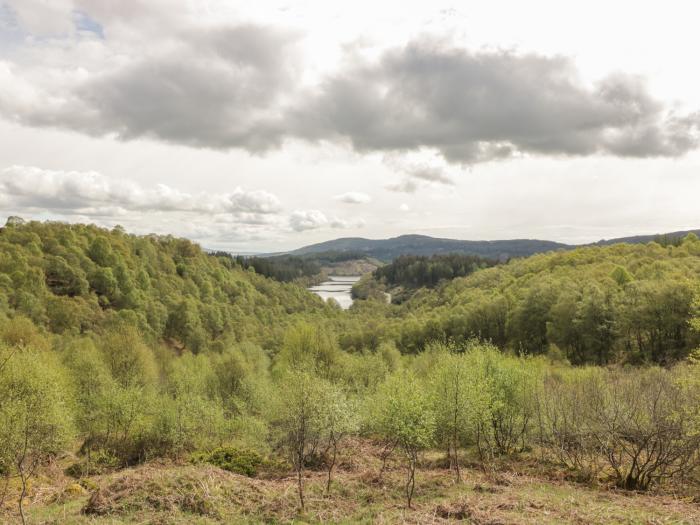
x=303 y=269
x=145 y=380
x=415 y=271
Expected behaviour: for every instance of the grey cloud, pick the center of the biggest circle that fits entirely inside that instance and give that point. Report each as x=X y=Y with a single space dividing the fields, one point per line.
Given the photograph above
x=429 y=173
x=214 y=87
x=415 y=175
x=221 y=90
x=474 y=107
x=240 y=87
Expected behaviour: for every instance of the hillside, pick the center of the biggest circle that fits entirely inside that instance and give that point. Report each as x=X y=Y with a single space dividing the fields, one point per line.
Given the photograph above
x=143 y=380
x=596 y=304
x=77 y=279
x=182 y=494
x=642 y=239
x=388 y=249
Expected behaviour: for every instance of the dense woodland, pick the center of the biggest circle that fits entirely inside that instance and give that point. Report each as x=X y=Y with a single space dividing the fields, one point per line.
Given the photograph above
x=416 y=271
x=290 y=268
x=122 y=349
x=622 y=303
x=284 y=268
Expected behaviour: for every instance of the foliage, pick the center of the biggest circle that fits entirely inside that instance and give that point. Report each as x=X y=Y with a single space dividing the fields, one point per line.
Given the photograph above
x=35 y=417
x=402 y=414
x=415 y=271
x=127 y=348
x=461 y=398
x=77 y=279
x=599 y=305
x=300 y=419
x=243 y=462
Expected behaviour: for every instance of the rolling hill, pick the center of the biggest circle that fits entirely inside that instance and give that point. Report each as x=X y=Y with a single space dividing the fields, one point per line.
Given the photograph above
x=389 y=249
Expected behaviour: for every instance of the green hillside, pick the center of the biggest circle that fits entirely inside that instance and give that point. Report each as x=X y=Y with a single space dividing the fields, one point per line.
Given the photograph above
x=76 y=279
x=595 y=305
x=389 y=249
x=145 y=381
x=424 y=245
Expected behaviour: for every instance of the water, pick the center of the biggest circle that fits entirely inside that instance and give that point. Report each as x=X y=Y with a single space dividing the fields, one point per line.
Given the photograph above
x=338 y=288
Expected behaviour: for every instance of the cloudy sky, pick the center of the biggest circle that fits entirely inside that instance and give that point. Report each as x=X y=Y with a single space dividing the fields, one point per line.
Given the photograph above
x=261 y=126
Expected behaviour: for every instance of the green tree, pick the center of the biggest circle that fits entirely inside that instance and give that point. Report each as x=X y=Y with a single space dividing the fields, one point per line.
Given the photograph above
x=460 y=400
x=35 y=416
x=338 y=419
x=403 y=413
x=300 y=419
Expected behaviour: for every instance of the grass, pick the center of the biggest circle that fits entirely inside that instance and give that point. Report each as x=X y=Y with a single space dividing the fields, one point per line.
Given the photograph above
x=522 y=491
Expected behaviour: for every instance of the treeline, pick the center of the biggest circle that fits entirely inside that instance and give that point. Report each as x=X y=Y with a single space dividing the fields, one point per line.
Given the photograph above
x=284 y=268
x=596 y=305
x=289 y=268
x=76 y=279
x=417 y=271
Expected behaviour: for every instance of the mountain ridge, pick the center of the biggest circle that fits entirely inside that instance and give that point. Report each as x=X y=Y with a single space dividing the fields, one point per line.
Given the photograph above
x=416 y=244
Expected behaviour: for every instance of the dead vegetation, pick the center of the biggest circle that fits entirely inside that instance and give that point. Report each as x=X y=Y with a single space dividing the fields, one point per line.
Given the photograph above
x=516 y=492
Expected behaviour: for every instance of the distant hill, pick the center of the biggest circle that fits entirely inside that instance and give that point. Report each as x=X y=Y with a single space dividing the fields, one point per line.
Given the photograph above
x=389 y=249
x=642 y=239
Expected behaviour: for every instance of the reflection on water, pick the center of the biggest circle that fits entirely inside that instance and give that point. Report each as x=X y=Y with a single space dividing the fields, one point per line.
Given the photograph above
x=338 y=288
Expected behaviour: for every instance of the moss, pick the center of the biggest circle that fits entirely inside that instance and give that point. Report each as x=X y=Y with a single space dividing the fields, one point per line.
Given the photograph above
x=244 y=462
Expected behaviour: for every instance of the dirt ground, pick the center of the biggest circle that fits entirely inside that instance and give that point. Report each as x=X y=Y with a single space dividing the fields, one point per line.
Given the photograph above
x=520 y=491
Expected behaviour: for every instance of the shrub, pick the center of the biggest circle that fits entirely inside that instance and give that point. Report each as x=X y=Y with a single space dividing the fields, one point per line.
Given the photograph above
x=243 y=462
x=564 y=418
x=402 y=413
x=644 y=428
x=100 y=462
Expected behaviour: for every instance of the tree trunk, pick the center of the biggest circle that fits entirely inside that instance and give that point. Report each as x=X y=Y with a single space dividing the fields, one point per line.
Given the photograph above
x=458 y=473
x=411 y=481
x=455 y=444
x=23 y=475
x=388 y=449
x=300 y=481
x=4 y=490
x=330 y=467
x=301 y=489
x=23 y=494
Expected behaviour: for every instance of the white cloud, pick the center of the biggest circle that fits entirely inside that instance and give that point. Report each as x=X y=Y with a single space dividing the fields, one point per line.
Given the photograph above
x=417 y=170
x=92 y=193
x=353 y=197
x=344 y=223
x=42 y=17
x=302 y=220
x=404 y=207
x=428 y=173
x=212 y=75
x=404 y=186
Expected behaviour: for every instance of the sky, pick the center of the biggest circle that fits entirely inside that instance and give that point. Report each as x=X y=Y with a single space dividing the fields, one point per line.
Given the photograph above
x=265 y=126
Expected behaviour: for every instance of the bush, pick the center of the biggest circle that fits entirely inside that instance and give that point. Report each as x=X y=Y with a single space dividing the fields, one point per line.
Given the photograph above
x=99 y=462
x=647 y=433
x=245 y=462
x=564 y=418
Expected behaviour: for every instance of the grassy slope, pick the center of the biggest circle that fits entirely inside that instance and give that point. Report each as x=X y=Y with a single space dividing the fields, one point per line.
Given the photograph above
x=181 y=493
